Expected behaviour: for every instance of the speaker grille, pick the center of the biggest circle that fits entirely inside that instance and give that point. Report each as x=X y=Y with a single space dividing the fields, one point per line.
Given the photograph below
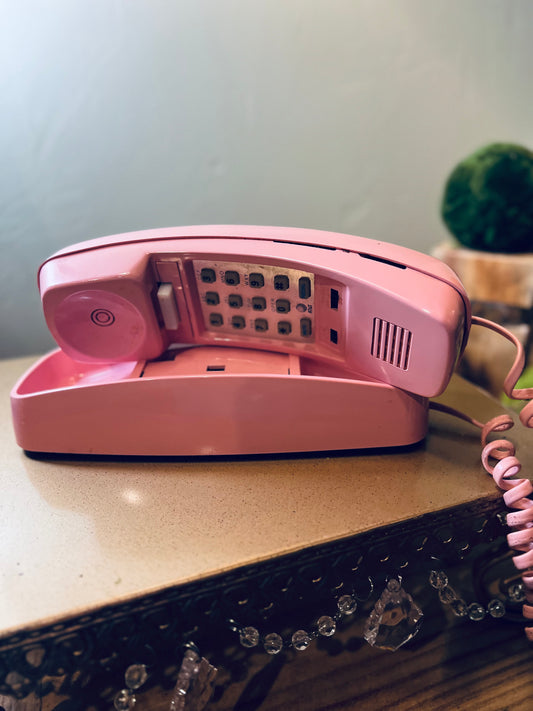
x=391 y=343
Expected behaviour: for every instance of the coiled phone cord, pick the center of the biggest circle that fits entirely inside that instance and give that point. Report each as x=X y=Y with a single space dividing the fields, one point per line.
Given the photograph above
x=502 y=451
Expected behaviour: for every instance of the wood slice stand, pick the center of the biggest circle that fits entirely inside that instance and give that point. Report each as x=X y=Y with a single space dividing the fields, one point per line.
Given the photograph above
x=500 y=287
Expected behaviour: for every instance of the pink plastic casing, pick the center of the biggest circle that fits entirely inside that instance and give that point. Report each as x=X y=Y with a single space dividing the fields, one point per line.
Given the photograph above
x=379 y=311
x=208 y=401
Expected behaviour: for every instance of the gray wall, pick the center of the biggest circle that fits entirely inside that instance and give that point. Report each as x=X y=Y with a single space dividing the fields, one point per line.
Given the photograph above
x=335 y=114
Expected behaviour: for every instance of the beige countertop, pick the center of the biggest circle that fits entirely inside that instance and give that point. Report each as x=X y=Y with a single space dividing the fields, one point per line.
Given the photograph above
x=78 y=534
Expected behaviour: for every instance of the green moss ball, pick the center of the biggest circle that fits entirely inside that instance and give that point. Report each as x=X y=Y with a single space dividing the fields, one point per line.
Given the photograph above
x=488 y=199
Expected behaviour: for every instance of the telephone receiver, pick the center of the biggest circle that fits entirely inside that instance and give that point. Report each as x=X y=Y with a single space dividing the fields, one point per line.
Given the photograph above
x=226 y=340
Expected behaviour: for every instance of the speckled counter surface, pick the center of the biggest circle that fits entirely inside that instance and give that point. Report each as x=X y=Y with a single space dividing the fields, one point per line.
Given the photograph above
x=79 y=534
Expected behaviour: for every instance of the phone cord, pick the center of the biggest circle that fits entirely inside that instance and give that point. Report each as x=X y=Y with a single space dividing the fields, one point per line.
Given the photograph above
x=502 y=451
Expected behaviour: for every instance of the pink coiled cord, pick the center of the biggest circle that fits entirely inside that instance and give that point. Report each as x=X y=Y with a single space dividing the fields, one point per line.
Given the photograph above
x=507 y=465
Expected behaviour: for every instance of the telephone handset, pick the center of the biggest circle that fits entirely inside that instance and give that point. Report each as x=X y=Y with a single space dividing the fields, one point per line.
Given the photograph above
x=376 y=310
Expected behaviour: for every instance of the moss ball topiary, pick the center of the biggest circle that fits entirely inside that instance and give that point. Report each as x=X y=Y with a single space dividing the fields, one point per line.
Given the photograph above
x=488 y=199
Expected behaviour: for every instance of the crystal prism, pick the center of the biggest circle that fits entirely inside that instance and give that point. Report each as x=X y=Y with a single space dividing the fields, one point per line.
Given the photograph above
x=195 y=683
x=395 y=619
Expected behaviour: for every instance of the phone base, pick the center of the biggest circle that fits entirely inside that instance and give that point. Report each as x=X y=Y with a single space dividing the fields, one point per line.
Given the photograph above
x=209 y=401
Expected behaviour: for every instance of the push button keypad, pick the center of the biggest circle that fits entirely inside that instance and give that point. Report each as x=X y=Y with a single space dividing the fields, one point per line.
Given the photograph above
x=256 y=300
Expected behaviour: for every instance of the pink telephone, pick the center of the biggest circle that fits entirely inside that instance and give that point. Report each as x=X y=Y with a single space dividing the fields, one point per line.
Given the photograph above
x=249 y=340
x=238 y=340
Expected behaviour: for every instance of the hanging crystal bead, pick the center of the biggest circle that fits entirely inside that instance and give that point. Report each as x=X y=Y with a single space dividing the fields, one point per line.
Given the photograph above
x=496 y=608
x=395 y=619
x=135 y=676
x=347 y=604
x=476 y=612
x=249 y=637
x=124 y=700
x=190 y=666
x=515 y=592
x=300 y=640
x=195 y=683
x=459 y=607
x=438 y=579
x=272 y=643
x=447 y=595
x=326 y=626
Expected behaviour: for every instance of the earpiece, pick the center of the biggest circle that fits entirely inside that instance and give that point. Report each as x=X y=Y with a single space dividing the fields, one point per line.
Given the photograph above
x=100 y=325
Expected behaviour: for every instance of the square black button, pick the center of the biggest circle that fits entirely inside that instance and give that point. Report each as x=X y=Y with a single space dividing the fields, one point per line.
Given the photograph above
x=208 y=276
x=216 y=319
x=258 y=303
x=261 y=324
x=304 y=287
x=306 y=327
x=257 y=280
x=235 y=301
x=283 y=306
x=212 y=298
x=238 y=322
x=281 y=282
x=232 y=278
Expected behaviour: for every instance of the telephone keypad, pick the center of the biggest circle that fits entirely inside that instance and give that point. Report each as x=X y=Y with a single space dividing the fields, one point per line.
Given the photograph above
x=284 y=297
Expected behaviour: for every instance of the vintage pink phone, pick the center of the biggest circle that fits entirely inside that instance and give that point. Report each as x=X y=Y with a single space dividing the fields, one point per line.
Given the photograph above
x=213 y=340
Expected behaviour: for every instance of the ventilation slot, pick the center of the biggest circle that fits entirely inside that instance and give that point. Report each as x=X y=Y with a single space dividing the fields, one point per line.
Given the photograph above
x=391 y=343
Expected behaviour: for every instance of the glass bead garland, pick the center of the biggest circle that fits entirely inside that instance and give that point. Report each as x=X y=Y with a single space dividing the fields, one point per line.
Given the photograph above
x=475 y=611
x=134 y=677
x=326 y=626
x=191 y=665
